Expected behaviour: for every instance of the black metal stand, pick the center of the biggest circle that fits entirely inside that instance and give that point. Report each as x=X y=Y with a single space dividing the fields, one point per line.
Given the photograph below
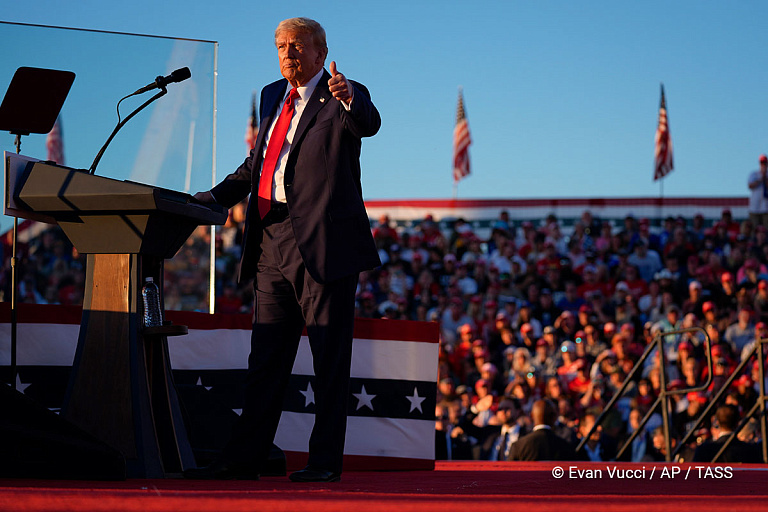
x=31 y=105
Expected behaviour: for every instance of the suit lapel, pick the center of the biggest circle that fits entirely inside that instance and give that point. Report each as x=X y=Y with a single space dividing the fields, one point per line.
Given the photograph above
x=321 y=97
x=273 y=97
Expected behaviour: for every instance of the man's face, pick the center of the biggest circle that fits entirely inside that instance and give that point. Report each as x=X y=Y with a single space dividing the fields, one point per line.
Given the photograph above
x=673 y=317
x=507 y=413
x=300 y=59
x=586 y=426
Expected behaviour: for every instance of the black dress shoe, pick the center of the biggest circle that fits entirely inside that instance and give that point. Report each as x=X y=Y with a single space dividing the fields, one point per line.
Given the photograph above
x=220 y=470
x=309 y=474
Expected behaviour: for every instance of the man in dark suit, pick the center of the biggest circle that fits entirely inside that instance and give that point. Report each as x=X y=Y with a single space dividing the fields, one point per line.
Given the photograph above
x=307 y=238
x=599 y=446
x=542 y=443
x=726 y=421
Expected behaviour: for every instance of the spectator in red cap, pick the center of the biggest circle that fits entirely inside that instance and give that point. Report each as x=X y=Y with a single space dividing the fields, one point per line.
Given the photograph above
x=758 y=198
x=527 y=337
x=580 y=383
x=744 y=392
x=685 y=350
x=525 y=316
x=686 y=420
x=384 y=234
x=709 y=312
x=727 y=299
x=483 y=390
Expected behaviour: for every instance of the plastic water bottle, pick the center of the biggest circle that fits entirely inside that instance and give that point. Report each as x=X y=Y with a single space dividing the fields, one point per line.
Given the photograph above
x=150 y=294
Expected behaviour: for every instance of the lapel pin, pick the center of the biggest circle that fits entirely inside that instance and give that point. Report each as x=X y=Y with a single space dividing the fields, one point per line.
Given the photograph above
x=322 y=100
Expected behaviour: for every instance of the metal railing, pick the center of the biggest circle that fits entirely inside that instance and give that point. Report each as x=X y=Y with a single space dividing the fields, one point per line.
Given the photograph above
x=715 y=399
x=662 y=400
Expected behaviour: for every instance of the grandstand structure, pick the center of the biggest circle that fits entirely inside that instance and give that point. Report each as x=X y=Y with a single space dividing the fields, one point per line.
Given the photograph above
x=481 y=213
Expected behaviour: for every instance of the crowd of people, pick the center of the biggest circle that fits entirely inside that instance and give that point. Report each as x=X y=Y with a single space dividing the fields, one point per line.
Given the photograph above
x=538 y=327
x=538 y=330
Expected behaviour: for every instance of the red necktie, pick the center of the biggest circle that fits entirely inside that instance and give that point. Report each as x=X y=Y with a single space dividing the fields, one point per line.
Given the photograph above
x=276 y=141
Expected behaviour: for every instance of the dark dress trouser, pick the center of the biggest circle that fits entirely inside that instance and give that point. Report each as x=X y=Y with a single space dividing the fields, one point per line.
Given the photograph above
x=287 y=299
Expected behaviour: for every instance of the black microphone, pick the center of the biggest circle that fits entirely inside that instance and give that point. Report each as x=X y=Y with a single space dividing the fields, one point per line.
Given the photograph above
x=160 y=82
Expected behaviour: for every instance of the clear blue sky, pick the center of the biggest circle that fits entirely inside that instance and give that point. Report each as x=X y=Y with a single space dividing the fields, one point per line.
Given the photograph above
x=562 y=97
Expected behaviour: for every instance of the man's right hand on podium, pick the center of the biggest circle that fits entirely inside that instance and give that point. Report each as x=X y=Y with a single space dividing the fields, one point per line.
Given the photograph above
x=204 y=197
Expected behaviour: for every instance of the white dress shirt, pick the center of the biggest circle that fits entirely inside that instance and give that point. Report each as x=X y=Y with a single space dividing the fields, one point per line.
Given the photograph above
x=305 y=92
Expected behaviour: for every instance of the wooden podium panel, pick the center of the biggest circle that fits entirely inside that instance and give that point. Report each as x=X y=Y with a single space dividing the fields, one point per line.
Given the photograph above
x=121 y=390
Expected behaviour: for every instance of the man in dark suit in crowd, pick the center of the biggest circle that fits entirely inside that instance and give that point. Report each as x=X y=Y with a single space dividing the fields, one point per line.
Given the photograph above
x=542 y=443
x=307 y=238
x=599 y=446
x=495 y=439
x=726 y=421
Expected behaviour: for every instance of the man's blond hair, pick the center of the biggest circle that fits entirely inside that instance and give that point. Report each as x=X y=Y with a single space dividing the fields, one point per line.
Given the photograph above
x=304 y=26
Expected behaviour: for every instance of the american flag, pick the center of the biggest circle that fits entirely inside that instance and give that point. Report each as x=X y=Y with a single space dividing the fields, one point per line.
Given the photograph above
x=253 y=125
x=664 y=163
x=54 y=142
x=461 y=142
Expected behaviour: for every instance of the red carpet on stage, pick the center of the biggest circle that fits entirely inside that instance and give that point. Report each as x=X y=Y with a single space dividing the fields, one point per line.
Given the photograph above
x=477 y=486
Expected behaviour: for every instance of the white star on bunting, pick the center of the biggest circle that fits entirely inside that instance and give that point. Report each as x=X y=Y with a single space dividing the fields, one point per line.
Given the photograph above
x=200 y=383
x=416 y=400
x=364 y=399
x=21 y=388
x=309 y=395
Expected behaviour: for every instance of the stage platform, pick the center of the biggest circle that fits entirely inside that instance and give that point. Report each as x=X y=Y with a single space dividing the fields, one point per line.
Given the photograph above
x=476 y=486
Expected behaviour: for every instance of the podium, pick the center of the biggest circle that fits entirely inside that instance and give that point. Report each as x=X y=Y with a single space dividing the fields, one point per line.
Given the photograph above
x=121 y=389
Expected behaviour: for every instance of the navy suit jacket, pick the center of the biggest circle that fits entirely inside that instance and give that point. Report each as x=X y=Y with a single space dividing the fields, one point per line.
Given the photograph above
x=322 y=183
x=539 y=445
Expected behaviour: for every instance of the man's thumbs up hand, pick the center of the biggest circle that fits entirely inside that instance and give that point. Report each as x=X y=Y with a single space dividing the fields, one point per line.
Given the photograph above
x=339 y=85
